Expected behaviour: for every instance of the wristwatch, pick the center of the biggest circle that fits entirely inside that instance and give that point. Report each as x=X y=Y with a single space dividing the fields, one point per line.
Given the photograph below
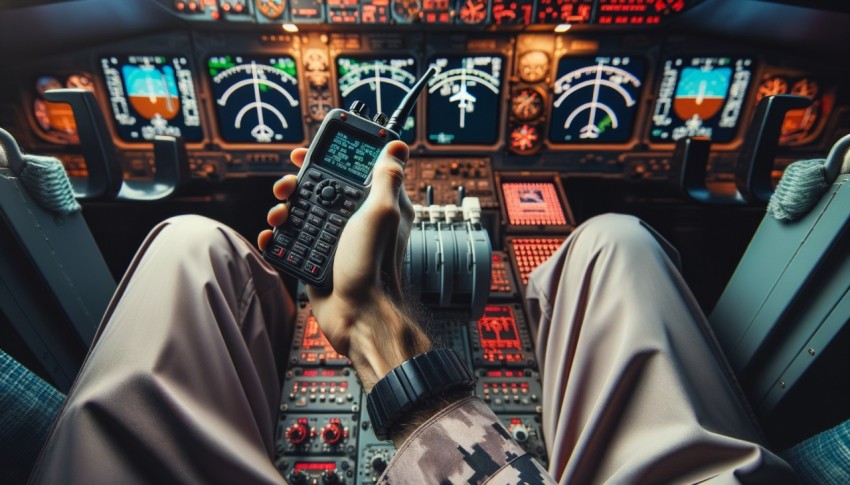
x=416 y=380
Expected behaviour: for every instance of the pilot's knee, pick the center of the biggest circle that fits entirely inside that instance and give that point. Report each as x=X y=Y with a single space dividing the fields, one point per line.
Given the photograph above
x=616 y=233
x=195 y=233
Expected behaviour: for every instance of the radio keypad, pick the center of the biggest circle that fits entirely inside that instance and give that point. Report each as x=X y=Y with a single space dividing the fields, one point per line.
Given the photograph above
x=321 y=217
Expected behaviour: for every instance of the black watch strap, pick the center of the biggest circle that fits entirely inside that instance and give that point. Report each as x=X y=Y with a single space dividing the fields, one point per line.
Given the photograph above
x=414 y=381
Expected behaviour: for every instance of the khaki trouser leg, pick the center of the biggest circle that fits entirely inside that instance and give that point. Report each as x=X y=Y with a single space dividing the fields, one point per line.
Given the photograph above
x=634 y=386
x=181 y=384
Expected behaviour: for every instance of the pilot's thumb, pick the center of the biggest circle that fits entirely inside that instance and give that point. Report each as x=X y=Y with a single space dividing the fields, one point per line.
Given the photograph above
x=388 y=176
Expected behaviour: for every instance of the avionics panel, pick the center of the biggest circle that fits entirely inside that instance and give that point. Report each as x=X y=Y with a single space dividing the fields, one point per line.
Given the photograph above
x=564 y=11
x=56 y=121
x=637 y=12
x=381 y=83
x=700 y=96
x=596 y=99
x=256 y=98
x=800 y=126
x=463 y=100
x=150 y=96
x=534 y=203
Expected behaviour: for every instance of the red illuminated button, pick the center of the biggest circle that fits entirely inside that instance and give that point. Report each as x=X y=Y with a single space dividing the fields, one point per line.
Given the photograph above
x=332 y=433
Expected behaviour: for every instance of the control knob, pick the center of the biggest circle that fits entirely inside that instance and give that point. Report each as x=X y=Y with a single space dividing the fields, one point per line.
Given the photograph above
x=332 y=433
x=379 y=463
x=297 y=433
x=360 y=109
x=297 y=477
x=332 y=477
x=519 y=432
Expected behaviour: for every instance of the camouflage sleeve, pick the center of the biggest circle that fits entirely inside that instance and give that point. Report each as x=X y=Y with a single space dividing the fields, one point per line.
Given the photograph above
x=463 y=443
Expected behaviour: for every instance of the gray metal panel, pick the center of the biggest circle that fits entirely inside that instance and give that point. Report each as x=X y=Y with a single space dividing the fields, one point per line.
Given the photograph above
x=779 y=262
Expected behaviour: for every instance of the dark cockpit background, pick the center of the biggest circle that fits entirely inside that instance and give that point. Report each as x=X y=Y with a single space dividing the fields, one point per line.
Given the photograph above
x=588 y=96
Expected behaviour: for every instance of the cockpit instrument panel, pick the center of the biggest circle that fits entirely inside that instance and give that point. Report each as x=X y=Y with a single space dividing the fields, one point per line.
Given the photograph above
x=533 y=204
x=381 y=83
x=463 y=100
x=595 y=99
x=256 y=98
x=56 y=120
x=513 y=12
x=637 y=12
x=307 y=11
x=152 y=95
x=801 y=126
x=564 y=11
x=700 y=96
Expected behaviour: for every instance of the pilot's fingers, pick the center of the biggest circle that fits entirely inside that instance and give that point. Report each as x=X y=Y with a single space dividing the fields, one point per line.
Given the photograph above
x=284 y=187
x=388 y=179
x=277 y=215
x=264 y=238
x=297 y=156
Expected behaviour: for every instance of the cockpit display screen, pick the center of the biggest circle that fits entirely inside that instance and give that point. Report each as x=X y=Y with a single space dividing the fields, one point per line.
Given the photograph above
x=700 y=96
x=256 y=99
x=463 y=100
x=595 y=99
x=533 y=204
x=152 y=95
x=381 y=83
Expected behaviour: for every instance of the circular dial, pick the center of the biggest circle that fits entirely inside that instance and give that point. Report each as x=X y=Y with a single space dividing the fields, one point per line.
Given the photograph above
x=319 y=104
x=533 y=66
x=473 y=12
x=297 y=433
x=595 y=99
x=332 y=433
x=380 y=83
x=800 y=126
x=463 y=100
x=257 y=99
x=45 y=83
x=525 y=139
x=272 y=9
x=406 y=11
x=772 y=86
x=80 y=81
x=527 y=103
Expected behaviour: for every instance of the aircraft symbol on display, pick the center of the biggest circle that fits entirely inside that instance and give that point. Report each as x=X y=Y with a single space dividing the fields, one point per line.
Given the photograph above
x=456 y=83
x=260 y=83
x=600 y=79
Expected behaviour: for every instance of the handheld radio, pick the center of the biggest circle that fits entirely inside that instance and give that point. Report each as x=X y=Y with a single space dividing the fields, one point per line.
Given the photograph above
x=333 y=182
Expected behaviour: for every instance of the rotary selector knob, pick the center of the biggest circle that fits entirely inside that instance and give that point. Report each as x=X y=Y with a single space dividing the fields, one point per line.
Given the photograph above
x=297 y=433
x=360 y=109
x=332 y=433
x=519 y=432
x=379 y=463
x=297 y=477
x=332 y=477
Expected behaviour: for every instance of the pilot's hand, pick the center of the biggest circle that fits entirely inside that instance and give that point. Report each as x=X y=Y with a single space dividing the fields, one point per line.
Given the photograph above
x=365 y=314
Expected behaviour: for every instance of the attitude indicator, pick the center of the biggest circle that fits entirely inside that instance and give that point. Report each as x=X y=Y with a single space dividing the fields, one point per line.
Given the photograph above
x=700 y=96
x=381 y=83
x=257 y=99
x=595 y=99
x=150 y=96
x=463 y=100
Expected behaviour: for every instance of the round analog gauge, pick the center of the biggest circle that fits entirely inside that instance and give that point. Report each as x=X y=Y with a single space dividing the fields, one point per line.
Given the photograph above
x=271 y=9
x=525 y=139
x=45 y=83
x=406 y=11
x=800 y=126
x=805 y=87
x=772 y=86
x=315 y=60
x=527 y=103
x=80 y=81
x=533 y=66
x=473 y=12
x=319 y=104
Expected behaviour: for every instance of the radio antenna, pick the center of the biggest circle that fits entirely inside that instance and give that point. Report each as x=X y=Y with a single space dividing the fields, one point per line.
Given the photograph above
x=400 y=115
